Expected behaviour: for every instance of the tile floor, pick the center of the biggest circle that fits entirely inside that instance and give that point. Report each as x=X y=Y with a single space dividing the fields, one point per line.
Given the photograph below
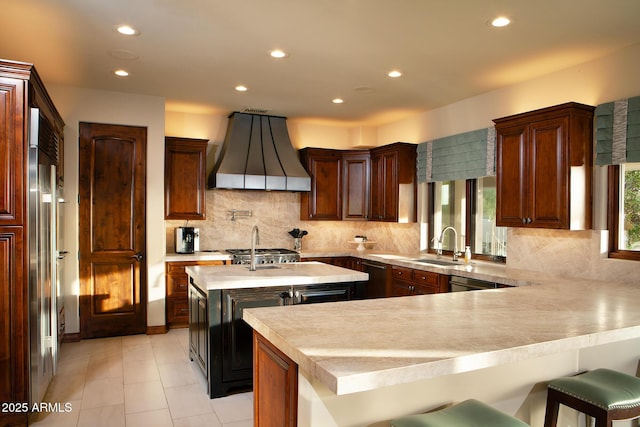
x=138 y=381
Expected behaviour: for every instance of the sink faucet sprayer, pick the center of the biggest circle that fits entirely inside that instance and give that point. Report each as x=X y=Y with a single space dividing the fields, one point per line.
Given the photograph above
x=255 y=240
x=456 y=254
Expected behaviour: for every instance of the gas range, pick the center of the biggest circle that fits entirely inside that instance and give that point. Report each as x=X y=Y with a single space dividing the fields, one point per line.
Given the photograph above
x=263 y=256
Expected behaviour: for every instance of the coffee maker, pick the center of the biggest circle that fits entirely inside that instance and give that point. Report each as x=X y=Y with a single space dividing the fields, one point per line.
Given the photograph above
x=187 y=240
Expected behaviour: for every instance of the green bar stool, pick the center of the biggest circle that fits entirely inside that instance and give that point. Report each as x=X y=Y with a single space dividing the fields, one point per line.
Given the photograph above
x=470 y=413
x=603 y=394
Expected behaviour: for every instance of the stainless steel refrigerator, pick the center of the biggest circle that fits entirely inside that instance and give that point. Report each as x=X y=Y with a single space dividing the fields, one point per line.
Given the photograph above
x=43 y=255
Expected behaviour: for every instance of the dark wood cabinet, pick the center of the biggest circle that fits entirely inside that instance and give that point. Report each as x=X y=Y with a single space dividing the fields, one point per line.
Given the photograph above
x=324 y=201
x=177 y=301
x=356 y=186
x=184 y=178
x=544 y=168
x=227 y=360
x=375 y=185
x=199 y=328
x=275 y=386
x=393 y=183
x=21 y=89
x=406 y=281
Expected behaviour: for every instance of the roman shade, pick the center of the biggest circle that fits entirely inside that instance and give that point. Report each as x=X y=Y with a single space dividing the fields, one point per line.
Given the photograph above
x=618 y=132
x=467 y=155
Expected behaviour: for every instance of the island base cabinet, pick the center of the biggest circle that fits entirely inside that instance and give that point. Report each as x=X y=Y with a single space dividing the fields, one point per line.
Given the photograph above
x=275 y=386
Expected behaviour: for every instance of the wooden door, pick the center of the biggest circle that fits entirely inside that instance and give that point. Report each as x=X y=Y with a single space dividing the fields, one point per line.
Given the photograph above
x=185 y=181
x=356 y=175
x=511 y=175
x=549 y=177
x=113 y=297
x=324 y=201
x=384 y=186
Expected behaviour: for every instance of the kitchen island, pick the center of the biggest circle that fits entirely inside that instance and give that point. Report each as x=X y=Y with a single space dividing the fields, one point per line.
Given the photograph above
x=361 y=363
x=220 y=341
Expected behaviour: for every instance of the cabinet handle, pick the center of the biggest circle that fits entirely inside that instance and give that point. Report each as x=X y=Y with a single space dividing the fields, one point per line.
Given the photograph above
x=529 y=220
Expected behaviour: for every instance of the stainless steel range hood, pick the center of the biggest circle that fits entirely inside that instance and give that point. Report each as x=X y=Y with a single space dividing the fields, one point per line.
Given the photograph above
x=257 y=155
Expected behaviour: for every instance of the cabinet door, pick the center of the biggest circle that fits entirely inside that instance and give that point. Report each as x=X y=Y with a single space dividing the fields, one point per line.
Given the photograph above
x=324 y=201
x=12 y=151
x=275 y=386
x=511 y=176
x=384 y=181
x=198 y=328
x=548 y=174
x=185 y=183
x=356 y=184
x=14 y=355
x=237 y=341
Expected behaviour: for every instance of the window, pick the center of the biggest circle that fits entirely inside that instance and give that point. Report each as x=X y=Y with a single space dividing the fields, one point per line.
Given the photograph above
x=624 y=211
x=470 y=207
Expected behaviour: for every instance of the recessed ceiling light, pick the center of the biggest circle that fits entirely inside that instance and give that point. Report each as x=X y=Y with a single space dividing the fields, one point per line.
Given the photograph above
x=242 y=88
x=501 y=21
x=394 y=73
x=121 y=73
x=337 y=100
x=127 y=30
x=277 y=53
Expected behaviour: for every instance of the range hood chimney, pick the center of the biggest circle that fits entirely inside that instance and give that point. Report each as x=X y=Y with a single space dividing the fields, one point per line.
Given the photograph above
x=257 y=155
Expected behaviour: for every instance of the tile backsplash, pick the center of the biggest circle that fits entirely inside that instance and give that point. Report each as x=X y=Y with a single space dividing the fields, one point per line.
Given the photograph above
x=564 y=253
x=277 y=212
x=580 y=254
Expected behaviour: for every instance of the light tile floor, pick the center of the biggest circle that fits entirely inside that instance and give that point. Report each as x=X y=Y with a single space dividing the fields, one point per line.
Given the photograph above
x=138 y=381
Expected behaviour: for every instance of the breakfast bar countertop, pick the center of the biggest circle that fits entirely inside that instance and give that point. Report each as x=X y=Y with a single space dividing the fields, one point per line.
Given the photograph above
x=364 y=345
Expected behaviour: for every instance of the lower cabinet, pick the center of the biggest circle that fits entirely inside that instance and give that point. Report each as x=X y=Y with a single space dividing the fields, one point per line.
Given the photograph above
x=275 y=385
x=198 y=328
x=407 y=281
x=177 y=305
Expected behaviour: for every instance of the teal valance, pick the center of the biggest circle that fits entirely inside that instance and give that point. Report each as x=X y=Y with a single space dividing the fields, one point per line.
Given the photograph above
x=617 y=129
x=467 y=155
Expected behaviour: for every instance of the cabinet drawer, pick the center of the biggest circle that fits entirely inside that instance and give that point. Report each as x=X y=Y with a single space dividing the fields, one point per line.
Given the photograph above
x=177 y=285
x=401 y=273
x=177 y=311
x=425 y=277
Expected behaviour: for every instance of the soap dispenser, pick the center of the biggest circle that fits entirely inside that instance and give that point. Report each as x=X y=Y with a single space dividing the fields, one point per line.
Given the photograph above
x=467 y=255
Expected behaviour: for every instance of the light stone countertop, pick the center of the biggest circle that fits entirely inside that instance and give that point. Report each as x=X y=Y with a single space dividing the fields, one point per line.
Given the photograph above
x=286 y=274
x=364 y=345
x=198 y=256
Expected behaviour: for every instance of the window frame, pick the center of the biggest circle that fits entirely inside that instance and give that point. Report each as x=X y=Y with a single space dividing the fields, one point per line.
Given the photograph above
x=613 y=214
x=471 y=186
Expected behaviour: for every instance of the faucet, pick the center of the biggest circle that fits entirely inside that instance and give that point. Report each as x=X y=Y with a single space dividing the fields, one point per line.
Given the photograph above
x=255 y=240
x=456 y=254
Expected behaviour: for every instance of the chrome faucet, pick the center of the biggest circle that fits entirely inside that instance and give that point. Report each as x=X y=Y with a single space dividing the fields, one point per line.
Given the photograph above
x=255 y=240
x=456 y=254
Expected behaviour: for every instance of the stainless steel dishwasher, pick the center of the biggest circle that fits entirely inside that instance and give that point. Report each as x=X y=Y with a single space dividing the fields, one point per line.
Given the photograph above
x=462 y=284
x=377 y=284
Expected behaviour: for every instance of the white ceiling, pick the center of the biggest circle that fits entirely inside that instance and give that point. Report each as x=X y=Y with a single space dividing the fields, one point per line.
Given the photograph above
x=194 y=52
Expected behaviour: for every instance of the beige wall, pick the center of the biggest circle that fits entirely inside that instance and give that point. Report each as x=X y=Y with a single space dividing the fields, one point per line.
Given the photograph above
x=83 y=105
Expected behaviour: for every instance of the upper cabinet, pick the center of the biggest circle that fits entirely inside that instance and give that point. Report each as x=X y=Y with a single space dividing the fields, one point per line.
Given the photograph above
x=544 y=168
x=324 y=201
x=393 y=183
x=356 y=172
x=374 y=185
x=184 y=178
